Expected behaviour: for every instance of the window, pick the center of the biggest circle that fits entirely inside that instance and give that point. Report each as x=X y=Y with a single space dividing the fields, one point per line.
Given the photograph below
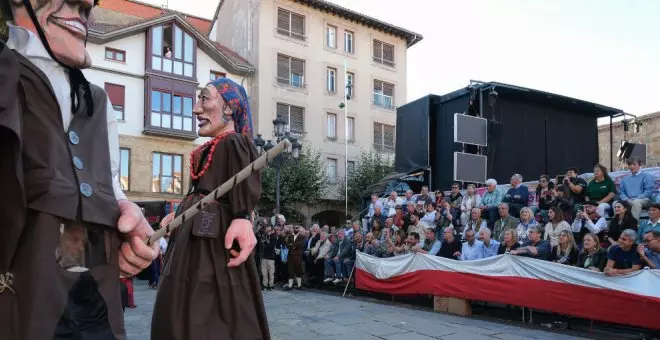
x=290 y=24
x=383 y=137
x=290 y=71
x=171 y=111
x=350 y=127
x=167 y=173
x=332 y=126
x=383 y=94
x=350 y=165
x=350 y=79
x=332 y=169
x=383 y=53
x=116 y=94
x=124 y=168
x=348 y=42
x=115 y=55
x=172 y=50
x=331 y=80
x=294 y=116
x=215 y=75
x=331 y=36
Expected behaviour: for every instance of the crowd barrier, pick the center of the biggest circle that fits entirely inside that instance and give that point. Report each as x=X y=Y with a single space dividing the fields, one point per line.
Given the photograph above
x=632 y=300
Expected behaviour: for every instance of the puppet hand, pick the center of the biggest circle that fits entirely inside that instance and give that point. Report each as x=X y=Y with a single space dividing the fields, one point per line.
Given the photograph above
x=241 y=231
x=134 y=254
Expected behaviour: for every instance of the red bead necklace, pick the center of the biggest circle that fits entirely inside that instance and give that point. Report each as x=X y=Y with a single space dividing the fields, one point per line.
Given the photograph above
x=209 y=158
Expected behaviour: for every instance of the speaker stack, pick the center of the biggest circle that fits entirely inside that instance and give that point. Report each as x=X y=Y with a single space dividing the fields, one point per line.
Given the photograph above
x=472 y=132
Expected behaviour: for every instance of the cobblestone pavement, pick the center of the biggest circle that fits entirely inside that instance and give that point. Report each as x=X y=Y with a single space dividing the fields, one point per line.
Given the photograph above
x=307 y=314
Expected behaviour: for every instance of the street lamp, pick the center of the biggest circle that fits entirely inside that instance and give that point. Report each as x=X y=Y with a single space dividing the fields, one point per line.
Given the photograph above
x=280 y=133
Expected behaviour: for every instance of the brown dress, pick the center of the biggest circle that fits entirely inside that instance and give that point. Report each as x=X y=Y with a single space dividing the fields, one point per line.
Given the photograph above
x=199 y=296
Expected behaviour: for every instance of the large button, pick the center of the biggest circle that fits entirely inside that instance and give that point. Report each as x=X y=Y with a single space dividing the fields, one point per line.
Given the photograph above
x=73 y=137
x=77 y=162
x=86 y=189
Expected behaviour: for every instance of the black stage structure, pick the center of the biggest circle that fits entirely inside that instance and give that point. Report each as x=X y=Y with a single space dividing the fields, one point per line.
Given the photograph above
x=530 y=132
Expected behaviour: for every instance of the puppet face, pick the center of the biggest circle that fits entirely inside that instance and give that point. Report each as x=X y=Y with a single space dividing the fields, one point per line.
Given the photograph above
x=64 y=23
x=213 y=113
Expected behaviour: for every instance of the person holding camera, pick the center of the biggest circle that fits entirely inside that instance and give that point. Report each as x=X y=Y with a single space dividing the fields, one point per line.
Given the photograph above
x=577 y=187
x=268 y=242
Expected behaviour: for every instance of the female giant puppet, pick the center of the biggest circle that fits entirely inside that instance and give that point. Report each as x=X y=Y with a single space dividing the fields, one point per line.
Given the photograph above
x=208 y=290
x=67 y=229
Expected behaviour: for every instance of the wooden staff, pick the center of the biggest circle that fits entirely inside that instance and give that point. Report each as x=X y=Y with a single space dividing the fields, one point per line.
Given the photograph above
x=253 y=167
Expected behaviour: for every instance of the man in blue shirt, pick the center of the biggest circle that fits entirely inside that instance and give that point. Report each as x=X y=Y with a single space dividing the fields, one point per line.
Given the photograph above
x=489 y=246
x=517 y=197
x=431 y=244
x=649 y=252
x=637 y=188
x=622 y=258
x=653 y=222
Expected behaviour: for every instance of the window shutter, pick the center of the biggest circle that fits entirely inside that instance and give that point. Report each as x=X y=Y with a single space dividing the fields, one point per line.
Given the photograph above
x=388 y=89
x=378 y=50
x=298 y=67
x=378 y=86
x=378 y=135
x=297 y=120
x=283 y=19
x=283 y=68
x=297 y=26
x=388 y=137
x=388 y=53
x=282 y=111
x=115 y=93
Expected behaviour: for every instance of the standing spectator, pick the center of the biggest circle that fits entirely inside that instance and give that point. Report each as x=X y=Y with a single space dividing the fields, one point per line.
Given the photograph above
x=555 y=226
x=544 y=194
x=588 y=221
x=268 y=242
x=431 y=245
x=649 y=252
x=504 y=222
x=455 y=201
x=592 y=256
x=471 y=249
x=475 y=223
x=518 y=195
x=623 y=219
x=490 y=201
x=576 y=187
x=489 y=246
x=622 y=258
x=470 y=201
x=652 y=224
x=295 y=242
x=526 y=221
x=451 y=247
x=566 y=251
x=343 y=253
x=509 y=242
x=601 y=190
x=535 y=247
x=636 y=188
x=390 y=204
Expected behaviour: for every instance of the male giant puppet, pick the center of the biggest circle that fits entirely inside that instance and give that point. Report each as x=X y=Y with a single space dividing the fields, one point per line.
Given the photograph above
x=68 y=232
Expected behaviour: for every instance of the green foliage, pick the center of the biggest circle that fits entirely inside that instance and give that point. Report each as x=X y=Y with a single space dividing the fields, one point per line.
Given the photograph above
x=301 y=180
x=370 y=167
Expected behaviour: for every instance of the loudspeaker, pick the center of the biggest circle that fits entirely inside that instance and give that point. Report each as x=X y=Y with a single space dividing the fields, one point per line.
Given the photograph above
x=469 y=167
x=630 y=150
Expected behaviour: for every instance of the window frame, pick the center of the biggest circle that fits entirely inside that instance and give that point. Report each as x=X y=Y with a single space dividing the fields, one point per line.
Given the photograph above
x=333 y=178
x=128 y=176
x=288 y=32
x=348 y=33
x=382 y=104
x=328 y=29
x=328 y=116
x=288 y=118
x=217 y=75
x=149 y=62
x=114 y=52
x=381 y=60
x=351 y=129
x=331 y=81
x=351 y=89
x=160 y=172
x=382 y=147
x=289 y=81
x=173 y=88
x=123 y=104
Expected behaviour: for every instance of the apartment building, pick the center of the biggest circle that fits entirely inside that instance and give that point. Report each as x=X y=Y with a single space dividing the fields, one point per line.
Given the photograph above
x=299 y=49
x=152 y=62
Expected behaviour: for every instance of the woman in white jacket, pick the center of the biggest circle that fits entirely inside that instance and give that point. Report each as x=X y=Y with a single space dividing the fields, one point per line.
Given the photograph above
x=555 y=226
x=471 y=200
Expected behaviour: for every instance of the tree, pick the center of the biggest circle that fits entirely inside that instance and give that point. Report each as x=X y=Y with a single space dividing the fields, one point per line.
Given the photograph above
x=370 y=167
x=301 y=180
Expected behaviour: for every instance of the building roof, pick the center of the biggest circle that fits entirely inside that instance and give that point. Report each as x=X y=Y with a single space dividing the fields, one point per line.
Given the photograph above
x=646 y=117
x=104 y=32
x=144 y=10
x=411 y=37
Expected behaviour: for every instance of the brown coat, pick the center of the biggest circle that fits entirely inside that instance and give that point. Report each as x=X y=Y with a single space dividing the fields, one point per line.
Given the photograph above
x=57 y=209
x=199 y=296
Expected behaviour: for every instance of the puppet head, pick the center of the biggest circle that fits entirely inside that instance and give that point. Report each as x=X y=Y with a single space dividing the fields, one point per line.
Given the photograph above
x=63 y=24
x=222 y=105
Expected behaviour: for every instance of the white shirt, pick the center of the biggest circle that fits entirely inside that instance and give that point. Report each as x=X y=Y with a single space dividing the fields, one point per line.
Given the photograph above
x=29 y=45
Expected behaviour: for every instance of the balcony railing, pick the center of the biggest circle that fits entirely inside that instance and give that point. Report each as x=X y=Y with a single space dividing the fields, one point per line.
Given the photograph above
x=389 y=148
x=384 y=101
x=290 y=34
x=294 y=81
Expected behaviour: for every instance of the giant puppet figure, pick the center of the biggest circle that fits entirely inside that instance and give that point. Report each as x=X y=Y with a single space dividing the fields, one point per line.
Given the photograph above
x=210 y=287
x=68 y=231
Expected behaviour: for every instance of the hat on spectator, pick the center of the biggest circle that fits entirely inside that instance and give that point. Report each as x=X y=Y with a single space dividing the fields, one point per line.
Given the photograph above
x=398 y=206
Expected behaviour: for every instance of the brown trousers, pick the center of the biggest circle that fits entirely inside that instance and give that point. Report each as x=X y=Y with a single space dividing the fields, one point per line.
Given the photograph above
x=294 y=263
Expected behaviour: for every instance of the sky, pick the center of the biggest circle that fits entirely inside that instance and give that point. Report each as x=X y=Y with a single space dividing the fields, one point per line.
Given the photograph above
x=603 y=51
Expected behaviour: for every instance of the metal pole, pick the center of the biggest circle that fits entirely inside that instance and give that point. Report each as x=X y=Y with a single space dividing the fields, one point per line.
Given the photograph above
x=277 y=185
x=611 y=146
x=346 y=135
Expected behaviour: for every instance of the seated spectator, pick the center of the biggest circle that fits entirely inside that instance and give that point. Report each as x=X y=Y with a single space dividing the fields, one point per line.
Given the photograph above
x=410 y=210
x=490 y=201
x=455 y=199
x=470 y=201
x=378 y=217
x=622 y=220
x=330 y=270
x=489 y=247
x=398 y=218
x=588 y=221
x=431 y=244
x=451 y=247
x=423 y=198
x=518 y=196
x=409 y=198
x=356 y=228
x=592 y=256
x=566 y=251
x=562 y=200
x=475 y=223
x=472 y=249
x=544 y=194
x=389 y=225
x=535 y=247
x=416 y=226
x=389 y=208
x=347 y=266
x=443 y=217
x=601 y=190
x=555 y=226
x=526 y=221
x=622 y=257
x=653 y=222
x=649 y=252
x=376 y=229
x=439 y=198
x=509 y=242
x=576 y=187
x=343 y=252
x=429 y=214
x=505 y=221
x=371 y=245
x=375 y=203
x=402 y=248
x=637 y=188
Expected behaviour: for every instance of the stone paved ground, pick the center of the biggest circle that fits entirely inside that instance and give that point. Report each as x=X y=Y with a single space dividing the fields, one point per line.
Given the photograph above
x=312 y=315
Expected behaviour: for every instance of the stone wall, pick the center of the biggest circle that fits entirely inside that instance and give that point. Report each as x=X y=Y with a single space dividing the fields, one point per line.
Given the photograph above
x=649 y=134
